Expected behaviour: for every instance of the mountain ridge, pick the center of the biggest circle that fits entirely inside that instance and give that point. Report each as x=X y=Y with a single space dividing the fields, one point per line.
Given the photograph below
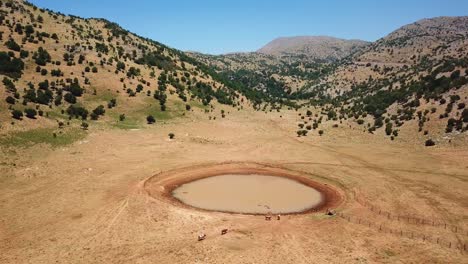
x=313 y=47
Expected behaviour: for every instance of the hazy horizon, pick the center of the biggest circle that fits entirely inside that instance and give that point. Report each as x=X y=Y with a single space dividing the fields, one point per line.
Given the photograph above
x=215 y=28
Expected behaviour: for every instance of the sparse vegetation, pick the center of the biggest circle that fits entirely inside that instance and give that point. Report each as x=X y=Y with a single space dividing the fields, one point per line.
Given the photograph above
x=24 y=139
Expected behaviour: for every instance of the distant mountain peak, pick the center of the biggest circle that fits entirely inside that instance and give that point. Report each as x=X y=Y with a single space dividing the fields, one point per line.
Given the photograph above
x=314 y=47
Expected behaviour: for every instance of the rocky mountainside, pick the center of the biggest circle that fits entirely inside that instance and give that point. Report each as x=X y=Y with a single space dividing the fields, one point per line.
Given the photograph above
x=418 y=75
x=313 y=47
x=412 y=50
x=436 y=37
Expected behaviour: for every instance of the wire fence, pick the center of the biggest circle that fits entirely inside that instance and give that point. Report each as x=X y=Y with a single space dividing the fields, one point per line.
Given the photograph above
x=443 y=242
x=437 y=223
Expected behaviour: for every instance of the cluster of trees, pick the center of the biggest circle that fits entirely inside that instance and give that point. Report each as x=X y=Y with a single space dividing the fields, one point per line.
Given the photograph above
x=120 y=66
x=42 y=57
x=28 y=112
x=229 y=81
x=133 y=72
x=205 y=93
x=157 y=59
x=102 y=48
x=302 y=132
x=97 y=112
x=12 y=45
x=77 y=112
x=457 y=123
x=162 y=98
x=115 y=29
x=11 y=66
x=160 y=94
x=306 y=69
x=73 y=90
x=43 y=95
x=306 y=126
x=179 y=84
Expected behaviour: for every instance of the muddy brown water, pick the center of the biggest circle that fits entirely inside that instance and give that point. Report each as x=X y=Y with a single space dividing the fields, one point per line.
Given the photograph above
x=252 y=194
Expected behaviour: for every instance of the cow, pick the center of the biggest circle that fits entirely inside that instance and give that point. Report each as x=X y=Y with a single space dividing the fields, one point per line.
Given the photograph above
x=330 y=212
x=224 y=231
x=201 y=237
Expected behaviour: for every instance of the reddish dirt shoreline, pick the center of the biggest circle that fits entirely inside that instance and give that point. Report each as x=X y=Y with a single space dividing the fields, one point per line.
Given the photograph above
x=160 y=186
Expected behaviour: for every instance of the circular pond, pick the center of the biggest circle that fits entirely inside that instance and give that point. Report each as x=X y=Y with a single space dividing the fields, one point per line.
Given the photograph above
x=251 y=194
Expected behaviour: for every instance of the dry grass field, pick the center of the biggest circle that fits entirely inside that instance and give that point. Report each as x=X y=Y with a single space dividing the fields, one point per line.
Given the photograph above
x=86 y=202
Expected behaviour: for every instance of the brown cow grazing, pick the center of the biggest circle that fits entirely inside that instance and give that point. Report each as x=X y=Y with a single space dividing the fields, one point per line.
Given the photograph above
x=330 y=212
x=267 y=217
x=201 y=237
x=224 y=231
x=278 y=217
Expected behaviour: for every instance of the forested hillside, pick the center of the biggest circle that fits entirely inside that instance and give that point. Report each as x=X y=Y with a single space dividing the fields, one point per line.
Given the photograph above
x=57 y=68
x=62 y=72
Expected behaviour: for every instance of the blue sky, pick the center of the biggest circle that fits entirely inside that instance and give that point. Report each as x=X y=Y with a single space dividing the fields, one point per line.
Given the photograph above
x=222 y=26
